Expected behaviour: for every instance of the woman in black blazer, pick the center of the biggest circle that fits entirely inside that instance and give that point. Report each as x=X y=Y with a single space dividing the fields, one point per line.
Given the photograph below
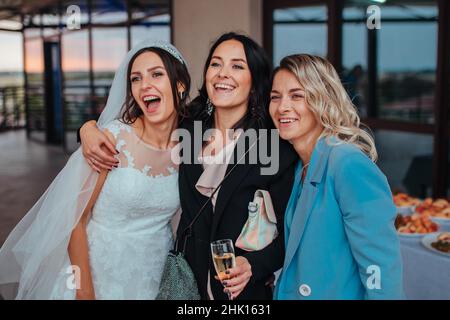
x=219 y=106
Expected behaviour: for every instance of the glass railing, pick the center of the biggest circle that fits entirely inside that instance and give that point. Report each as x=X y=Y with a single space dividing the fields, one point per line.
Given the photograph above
x=78 y=103
x=12 y=108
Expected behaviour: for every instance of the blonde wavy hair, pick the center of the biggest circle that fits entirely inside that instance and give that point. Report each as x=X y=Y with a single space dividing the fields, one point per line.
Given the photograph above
x=329 y=101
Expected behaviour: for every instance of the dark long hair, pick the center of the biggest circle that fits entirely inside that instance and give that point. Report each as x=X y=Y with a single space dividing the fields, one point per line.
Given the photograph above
x=260 y=70
x=177 y=73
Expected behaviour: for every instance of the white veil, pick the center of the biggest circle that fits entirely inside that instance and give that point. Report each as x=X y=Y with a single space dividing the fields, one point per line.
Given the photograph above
x=35 y=252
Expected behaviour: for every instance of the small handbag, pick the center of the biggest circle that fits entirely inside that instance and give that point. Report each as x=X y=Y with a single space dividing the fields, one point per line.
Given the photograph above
x=261 y=226
x=178 y=281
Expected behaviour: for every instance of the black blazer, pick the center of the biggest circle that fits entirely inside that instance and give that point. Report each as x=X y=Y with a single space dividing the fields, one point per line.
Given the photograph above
x=229 y=217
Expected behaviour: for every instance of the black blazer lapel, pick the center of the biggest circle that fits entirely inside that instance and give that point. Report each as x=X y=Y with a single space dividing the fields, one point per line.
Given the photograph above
x=226 y=191
x=231 y=183
x=194 y=171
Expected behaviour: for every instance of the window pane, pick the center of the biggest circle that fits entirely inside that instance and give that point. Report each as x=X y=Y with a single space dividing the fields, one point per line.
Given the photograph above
x=12 y=103
x=406 y=159
x=32 y=33
x=50 y=21
x=407 y=62
x=157 y=27
x=108 y=12
x=404 y=10
x=34 y=67
x=11 y=63
x=76 y=95
x=299 y=30
x=75 y=55
x=354 y=56
x=109 y=46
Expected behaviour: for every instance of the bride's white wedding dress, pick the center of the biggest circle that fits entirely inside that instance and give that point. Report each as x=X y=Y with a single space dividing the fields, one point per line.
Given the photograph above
x=129 y=232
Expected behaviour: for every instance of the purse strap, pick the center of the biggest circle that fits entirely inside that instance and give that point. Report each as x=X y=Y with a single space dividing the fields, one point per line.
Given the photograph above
x=187 y=232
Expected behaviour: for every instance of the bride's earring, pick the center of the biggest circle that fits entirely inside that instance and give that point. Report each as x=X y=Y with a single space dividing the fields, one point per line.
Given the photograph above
x=209 y=107
x=181 y=95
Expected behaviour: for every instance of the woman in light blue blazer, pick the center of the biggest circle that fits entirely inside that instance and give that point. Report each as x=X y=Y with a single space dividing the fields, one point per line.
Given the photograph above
x=340 y=238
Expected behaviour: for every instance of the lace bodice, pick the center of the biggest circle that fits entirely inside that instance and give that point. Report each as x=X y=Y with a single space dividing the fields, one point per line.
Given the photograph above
x=143 y=191
x=129 y=232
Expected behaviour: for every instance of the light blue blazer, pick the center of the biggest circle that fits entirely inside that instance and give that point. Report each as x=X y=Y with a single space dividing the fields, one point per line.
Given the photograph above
x=340 y=238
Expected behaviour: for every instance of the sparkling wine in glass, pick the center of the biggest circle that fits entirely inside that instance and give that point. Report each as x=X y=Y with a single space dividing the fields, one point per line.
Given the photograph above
x=223 y=257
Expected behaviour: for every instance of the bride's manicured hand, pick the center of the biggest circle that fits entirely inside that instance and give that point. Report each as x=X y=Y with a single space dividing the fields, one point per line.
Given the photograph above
x=91 y=140
x=239 y=276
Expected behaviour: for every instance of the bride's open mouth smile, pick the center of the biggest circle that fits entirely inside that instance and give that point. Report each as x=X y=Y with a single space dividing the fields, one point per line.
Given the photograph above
x=151 y=102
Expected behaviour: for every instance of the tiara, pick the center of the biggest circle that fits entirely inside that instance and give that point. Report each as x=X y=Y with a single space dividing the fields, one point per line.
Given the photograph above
x=170 y=49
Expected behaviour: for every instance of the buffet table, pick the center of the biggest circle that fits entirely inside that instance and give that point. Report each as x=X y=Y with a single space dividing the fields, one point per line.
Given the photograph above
x=426 y=274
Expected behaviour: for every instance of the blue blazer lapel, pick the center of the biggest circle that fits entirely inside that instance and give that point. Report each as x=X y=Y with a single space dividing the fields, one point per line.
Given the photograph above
x=301 y=215
x=292 y=203
x=317 y=167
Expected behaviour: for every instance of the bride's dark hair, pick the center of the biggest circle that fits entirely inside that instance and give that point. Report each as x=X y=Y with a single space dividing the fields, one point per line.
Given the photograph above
x=177 y=73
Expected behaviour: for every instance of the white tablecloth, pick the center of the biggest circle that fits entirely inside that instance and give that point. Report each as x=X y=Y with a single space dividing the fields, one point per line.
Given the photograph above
x=426 y=274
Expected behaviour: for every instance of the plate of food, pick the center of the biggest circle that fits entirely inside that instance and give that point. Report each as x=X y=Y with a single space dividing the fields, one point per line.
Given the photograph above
x=438 y=210
x=415 y=225
x=405 y=203
x=438 y=242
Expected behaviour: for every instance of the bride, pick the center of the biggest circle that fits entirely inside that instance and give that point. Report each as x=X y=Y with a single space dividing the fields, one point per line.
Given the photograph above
x=107 y=235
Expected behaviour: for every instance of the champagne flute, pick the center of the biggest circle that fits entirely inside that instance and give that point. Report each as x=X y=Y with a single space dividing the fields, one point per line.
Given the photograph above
x=223 y=257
